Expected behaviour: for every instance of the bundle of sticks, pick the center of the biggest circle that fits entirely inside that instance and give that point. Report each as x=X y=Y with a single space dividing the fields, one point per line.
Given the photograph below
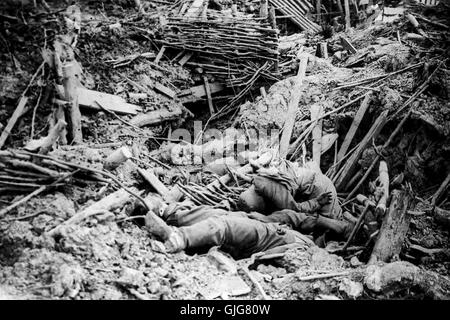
x=229 y=49
x=21 y=171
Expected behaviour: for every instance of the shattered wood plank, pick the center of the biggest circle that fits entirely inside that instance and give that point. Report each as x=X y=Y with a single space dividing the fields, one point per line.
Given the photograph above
x=292 y=108
x=12 y=121
x=156 y=117
x=354 y=126
x=316 y=113
x=87 y=98
x=394 y=228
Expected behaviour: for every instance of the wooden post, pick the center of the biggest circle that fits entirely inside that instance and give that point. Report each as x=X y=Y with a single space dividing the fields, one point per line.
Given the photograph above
x=394 y=228
x=71 y=95
x=264 y=9
x=347 y=15
x=292 y=108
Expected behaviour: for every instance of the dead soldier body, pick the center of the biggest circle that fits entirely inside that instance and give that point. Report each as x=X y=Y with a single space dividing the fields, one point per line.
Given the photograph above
x=290 y=187
x=238 y=233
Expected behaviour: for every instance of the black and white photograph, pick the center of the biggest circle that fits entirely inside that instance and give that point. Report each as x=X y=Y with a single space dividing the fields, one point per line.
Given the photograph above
x=235 y=157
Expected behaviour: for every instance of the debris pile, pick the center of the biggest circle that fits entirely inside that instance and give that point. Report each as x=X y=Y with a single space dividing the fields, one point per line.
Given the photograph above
x=346 y=198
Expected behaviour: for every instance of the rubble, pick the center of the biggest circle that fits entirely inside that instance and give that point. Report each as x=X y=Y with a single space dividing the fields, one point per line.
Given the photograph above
x=89 y=116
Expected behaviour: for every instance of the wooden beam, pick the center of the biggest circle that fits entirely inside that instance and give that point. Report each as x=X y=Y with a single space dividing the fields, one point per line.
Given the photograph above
x=292 y=108
x=354 y=126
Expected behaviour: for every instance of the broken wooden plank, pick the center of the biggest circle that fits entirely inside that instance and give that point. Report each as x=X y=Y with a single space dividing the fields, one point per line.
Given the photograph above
x=87 y=98
x=12 y=121
x=354 y=127
x=292 y=108
x=394 y=228
x=316 y=113
x=155 y=117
